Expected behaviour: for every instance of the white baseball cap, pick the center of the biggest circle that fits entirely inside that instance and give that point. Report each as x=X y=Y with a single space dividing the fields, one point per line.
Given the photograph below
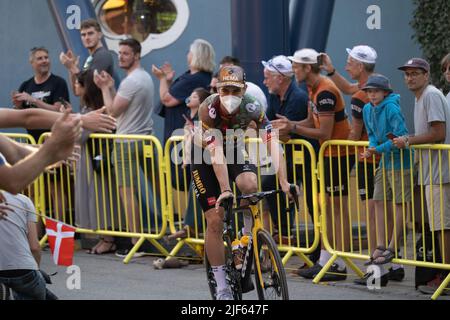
x=364 y=54
x=305 y=56
x=279 y=64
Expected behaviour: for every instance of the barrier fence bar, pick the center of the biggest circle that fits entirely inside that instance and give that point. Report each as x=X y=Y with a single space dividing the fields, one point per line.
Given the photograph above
x=121 y=176
x=398 y=223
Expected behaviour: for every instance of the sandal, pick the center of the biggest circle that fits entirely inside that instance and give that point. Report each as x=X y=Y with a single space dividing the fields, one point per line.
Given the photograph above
x=386 y=257
x=381 y=250
x=181 y=234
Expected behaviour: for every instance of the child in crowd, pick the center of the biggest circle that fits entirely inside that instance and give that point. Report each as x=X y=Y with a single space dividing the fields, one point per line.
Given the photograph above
x=193 y=103
x=384 y=121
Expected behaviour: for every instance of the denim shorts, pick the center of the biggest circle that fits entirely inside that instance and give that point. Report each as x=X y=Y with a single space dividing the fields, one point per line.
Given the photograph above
x=30 y=286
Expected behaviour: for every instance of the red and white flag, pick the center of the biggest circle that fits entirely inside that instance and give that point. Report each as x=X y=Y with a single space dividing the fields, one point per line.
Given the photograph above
x=61 y=241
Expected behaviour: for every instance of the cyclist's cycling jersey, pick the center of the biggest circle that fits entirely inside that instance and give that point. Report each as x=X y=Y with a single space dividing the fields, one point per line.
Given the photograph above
x=213 y=118
x=204 y=181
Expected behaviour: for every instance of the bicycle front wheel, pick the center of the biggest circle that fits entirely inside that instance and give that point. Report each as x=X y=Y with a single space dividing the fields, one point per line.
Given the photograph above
x=271 y=281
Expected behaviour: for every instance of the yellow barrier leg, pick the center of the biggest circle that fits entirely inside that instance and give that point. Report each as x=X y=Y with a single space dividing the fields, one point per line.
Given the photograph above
x=198 y=248
x=441 y=288
x=159 y=247
x=43 y=241
x=287 y=256
x=303 y=256
x=134 y=250
x=325 y=269
x=354 y=267
x=175 y=250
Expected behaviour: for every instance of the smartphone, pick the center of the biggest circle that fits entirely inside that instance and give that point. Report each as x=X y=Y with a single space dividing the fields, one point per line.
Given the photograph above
x=391 y=136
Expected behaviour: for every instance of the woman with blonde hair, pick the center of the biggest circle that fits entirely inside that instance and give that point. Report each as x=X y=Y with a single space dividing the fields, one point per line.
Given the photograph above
x=173 y=93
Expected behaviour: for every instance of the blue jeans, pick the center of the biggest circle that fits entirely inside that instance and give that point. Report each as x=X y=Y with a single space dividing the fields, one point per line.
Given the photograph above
x=30 y=286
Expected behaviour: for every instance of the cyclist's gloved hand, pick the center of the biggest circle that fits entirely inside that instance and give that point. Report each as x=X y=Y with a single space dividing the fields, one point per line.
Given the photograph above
x=224 y=195
x=287 y=189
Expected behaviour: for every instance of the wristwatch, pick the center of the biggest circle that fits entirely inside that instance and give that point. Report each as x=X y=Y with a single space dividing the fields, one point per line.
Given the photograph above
x=406 y=139
x=330 y=74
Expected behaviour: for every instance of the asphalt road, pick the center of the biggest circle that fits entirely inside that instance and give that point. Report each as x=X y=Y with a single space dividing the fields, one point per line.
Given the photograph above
x=105 y=277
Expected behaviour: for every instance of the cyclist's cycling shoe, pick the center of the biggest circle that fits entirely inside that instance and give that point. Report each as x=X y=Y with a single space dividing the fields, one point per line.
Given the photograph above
x=225 y=294
x=247 y=286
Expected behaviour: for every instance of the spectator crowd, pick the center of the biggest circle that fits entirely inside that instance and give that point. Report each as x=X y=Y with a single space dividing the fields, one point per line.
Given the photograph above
x=305 y=101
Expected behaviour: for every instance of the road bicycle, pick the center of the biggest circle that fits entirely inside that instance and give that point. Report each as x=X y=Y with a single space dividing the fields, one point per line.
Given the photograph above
x=262 y=252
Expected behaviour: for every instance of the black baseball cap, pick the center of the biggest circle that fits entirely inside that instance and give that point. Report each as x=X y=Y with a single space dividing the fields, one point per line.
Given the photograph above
x=416 y=63
x=378 y=81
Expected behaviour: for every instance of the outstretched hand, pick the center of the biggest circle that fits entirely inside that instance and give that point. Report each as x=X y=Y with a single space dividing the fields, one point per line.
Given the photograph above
x=283 y=125
x=99 y=121
x=65 y=132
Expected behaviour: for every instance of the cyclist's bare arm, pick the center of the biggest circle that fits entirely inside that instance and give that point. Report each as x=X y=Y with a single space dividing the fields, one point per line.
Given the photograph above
x=275 y=150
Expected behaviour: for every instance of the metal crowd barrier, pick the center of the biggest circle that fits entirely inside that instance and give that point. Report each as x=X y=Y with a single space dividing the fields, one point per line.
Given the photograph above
x=409 y=218
x=122 y=177
x=301 y=235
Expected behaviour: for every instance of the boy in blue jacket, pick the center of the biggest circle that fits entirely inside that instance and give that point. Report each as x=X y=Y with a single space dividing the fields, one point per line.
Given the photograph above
x=384 y=121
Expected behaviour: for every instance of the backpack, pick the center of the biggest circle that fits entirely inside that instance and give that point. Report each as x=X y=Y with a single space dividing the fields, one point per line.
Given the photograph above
x=424 y=275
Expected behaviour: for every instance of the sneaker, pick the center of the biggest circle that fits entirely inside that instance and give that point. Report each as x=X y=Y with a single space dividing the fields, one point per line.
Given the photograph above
x=363 y=281
x=309 y=273
x=122 y=253
x=397 y=274
x=225 y=294
x=334 y=274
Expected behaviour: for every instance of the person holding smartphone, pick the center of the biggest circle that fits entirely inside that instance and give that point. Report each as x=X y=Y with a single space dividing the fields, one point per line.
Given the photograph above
x=384 y=121
x=44 y=90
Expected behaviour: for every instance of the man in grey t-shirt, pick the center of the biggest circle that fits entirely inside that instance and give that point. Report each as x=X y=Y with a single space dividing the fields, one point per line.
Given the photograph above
x=432 y=125
x=100 y=58
x=133 y=107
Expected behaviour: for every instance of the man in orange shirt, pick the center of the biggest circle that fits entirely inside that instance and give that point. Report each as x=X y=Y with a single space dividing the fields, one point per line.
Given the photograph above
x=360 y=65
x=326 y=121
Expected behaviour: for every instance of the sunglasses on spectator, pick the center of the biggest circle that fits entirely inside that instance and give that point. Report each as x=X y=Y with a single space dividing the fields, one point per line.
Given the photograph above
x=272 y=65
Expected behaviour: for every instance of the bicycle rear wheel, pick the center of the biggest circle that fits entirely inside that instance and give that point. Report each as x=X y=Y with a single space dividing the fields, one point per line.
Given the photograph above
x=273 y=285
x=233 y=277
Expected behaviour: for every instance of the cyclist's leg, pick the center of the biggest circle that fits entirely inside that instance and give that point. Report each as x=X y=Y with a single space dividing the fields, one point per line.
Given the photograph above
x=207 y=189
x=247 y=182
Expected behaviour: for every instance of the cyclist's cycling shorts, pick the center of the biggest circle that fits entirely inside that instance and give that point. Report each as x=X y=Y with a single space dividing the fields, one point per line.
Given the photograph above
x=206 y=186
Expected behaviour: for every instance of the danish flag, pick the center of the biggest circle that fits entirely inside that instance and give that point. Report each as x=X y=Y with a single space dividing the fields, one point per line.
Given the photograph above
x=61 y=241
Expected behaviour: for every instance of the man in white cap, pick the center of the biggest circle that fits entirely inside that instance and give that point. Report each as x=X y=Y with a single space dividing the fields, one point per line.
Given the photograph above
x=326 y=121
x=286 y=99
x=360 y=66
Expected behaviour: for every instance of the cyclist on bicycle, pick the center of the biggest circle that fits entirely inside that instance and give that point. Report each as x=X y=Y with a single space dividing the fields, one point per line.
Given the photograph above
x=218 y=156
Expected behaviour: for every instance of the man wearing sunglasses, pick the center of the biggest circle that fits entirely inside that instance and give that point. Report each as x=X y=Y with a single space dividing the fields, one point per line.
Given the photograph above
x=286 y=99
x=432 y=125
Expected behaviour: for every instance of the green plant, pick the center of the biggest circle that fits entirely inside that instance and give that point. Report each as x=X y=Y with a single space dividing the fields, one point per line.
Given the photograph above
x=431 y=22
